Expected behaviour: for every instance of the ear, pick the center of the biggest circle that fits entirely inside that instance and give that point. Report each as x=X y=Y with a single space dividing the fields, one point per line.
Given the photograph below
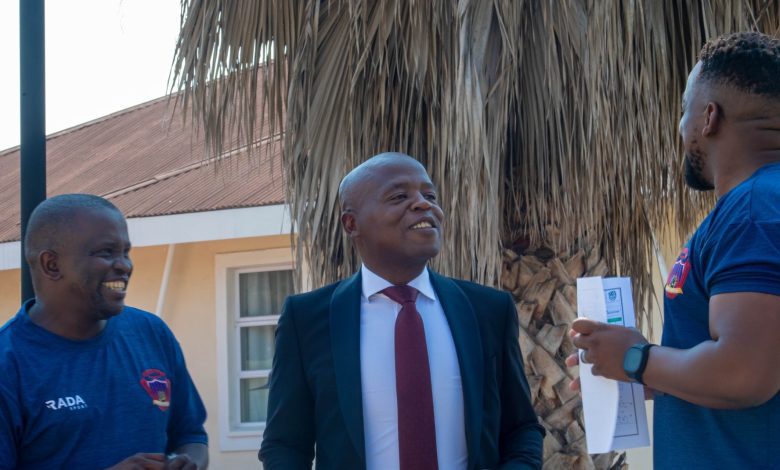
x=49 y=265
x=349 y=224
x=713 y=118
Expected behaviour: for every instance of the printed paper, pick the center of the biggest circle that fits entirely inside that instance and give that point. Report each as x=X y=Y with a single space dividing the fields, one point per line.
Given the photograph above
x=614 y=412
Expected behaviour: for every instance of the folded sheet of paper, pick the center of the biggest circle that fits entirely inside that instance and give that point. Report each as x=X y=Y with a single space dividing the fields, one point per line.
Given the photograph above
x=614 y=412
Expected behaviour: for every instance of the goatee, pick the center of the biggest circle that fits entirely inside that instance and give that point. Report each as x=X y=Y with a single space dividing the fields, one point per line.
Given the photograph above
x=693 y=174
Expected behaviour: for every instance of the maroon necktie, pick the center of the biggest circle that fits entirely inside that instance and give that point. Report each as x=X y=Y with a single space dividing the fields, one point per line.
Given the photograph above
x=416 y=427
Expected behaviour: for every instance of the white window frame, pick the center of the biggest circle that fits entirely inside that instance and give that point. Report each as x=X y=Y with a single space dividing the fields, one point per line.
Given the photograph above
x=234 y=436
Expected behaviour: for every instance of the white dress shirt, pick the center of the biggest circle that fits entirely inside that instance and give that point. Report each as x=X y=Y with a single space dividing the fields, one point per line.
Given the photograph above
x=377 y=368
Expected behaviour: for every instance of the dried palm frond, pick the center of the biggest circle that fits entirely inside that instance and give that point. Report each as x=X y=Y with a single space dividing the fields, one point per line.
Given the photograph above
x=529 y=114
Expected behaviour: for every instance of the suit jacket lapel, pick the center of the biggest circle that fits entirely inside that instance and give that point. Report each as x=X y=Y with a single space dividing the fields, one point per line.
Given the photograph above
x=345 y=343
x=465 y=334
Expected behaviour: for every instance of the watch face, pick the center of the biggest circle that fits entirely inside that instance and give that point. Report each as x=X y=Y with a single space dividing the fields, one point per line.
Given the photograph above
x=633 y=360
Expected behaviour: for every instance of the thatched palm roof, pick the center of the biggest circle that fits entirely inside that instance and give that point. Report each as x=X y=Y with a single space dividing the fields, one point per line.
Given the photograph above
x=534 y=117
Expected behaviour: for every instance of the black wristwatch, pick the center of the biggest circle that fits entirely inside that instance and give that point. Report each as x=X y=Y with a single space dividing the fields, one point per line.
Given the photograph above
x=635 y=361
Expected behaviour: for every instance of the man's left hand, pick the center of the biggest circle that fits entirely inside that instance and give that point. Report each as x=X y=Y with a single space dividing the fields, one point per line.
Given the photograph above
x=603 y=346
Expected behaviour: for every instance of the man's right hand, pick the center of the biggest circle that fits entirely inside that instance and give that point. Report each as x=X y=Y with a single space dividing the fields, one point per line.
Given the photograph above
x=141 y=461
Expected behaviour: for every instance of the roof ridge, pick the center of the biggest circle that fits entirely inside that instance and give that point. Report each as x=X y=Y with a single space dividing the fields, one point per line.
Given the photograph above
x=97 y=120
x=189 y=167
x=108 y=117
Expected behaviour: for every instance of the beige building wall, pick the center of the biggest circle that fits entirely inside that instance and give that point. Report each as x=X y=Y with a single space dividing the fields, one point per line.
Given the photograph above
x=144 y=286
x=10 y=292
x=189 y=310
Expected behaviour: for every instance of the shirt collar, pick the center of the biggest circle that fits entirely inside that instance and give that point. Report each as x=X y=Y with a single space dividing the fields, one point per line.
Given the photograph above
x=373 y=283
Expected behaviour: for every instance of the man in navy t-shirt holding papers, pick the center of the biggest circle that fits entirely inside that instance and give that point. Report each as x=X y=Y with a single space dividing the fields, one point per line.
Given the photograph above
x=716 y=374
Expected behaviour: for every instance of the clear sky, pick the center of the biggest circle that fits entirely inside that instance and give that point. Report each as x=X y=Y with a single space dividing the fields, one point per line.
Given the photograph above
x=101 y=56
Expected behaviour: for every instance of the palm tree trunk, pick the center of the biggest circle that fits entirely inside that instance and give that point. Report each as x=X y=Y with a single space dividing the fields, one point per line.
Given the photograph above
x=543 y=283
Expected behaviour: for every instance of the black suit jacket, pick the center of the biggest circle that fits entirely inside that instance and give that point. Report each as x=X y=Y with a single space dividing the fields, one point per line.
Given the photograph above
x=315 y=389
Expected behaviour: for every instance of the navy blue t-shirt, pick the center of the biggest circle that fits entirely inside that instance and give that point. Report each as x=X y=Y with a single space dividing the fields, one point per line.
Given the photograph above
x=91 y=404
x=735 y=249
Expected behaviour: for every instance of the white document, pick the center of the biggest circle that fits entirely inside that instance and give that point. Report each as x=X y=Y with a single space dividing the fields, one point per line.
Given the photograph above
x=614 y=412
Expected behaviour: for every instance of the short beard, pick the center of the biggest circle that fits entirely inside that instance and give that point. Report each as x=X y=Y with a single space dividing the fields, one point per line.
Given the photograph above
x=693 y=173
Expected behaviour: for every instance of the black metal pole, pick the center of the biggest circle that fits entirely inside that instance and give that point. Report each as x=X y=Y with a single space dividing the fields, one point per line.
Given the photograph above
x=32 y=91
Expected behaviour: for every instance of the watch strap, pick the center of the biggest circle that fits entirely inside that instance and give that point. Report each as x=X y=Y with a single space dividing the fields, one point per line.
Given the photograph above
x=645 y=348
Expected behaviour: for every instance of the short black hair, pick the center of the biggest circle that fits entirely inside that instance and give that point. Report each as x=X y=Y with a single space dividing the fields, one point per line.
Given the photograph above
x=748 y=61
x=49 y=221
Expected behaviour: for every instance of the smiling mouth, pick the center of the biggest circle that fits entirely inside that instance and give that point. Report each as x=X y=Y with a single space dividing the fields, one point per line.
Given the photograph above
x=423 y=224
x=116 y=286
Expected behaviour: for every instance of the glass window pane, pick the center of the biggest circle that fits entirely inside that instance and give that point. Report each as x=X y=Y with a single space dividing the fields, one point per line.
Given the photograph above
x=257 y=347
x=254 y=400
x=263 y=293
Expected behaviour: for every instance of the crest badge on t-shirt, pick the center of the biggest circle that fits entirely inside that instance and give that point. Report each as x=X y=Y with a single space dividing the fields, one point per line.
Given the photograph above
x=158 y=387
x=678 y=274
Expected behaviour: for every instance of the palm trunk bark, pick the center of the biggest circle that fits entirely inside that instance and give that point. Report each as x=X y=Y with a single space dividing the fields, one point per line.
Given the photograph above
x=543 y=282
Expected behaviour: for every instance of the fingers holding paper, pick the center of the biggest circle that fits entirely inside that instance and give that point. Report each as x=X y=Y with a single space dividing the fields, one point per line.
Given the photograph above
x=573 y=361
x=603 y=346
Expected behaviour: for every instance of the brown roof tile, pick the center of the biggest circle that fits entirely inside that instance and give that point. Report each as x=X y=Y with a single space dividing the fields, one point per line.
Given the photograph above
x=148 y=163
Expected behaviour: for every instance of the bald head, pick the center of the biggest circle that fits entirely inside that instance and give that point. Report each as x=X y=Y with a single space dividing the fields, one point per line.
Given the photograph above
x=51 y=221
x=370 y=171
x=390 y=213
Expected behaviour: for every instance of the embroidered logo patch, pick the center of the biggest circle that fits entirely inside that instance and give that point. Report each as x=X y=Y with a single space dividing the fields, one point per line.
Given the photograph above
x=678 y=274
x=158 y=387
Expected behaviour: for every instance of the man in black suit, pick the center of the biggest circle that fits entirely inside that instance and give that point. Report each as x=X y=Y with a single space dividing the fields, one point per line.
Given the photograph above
x=398 y=367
